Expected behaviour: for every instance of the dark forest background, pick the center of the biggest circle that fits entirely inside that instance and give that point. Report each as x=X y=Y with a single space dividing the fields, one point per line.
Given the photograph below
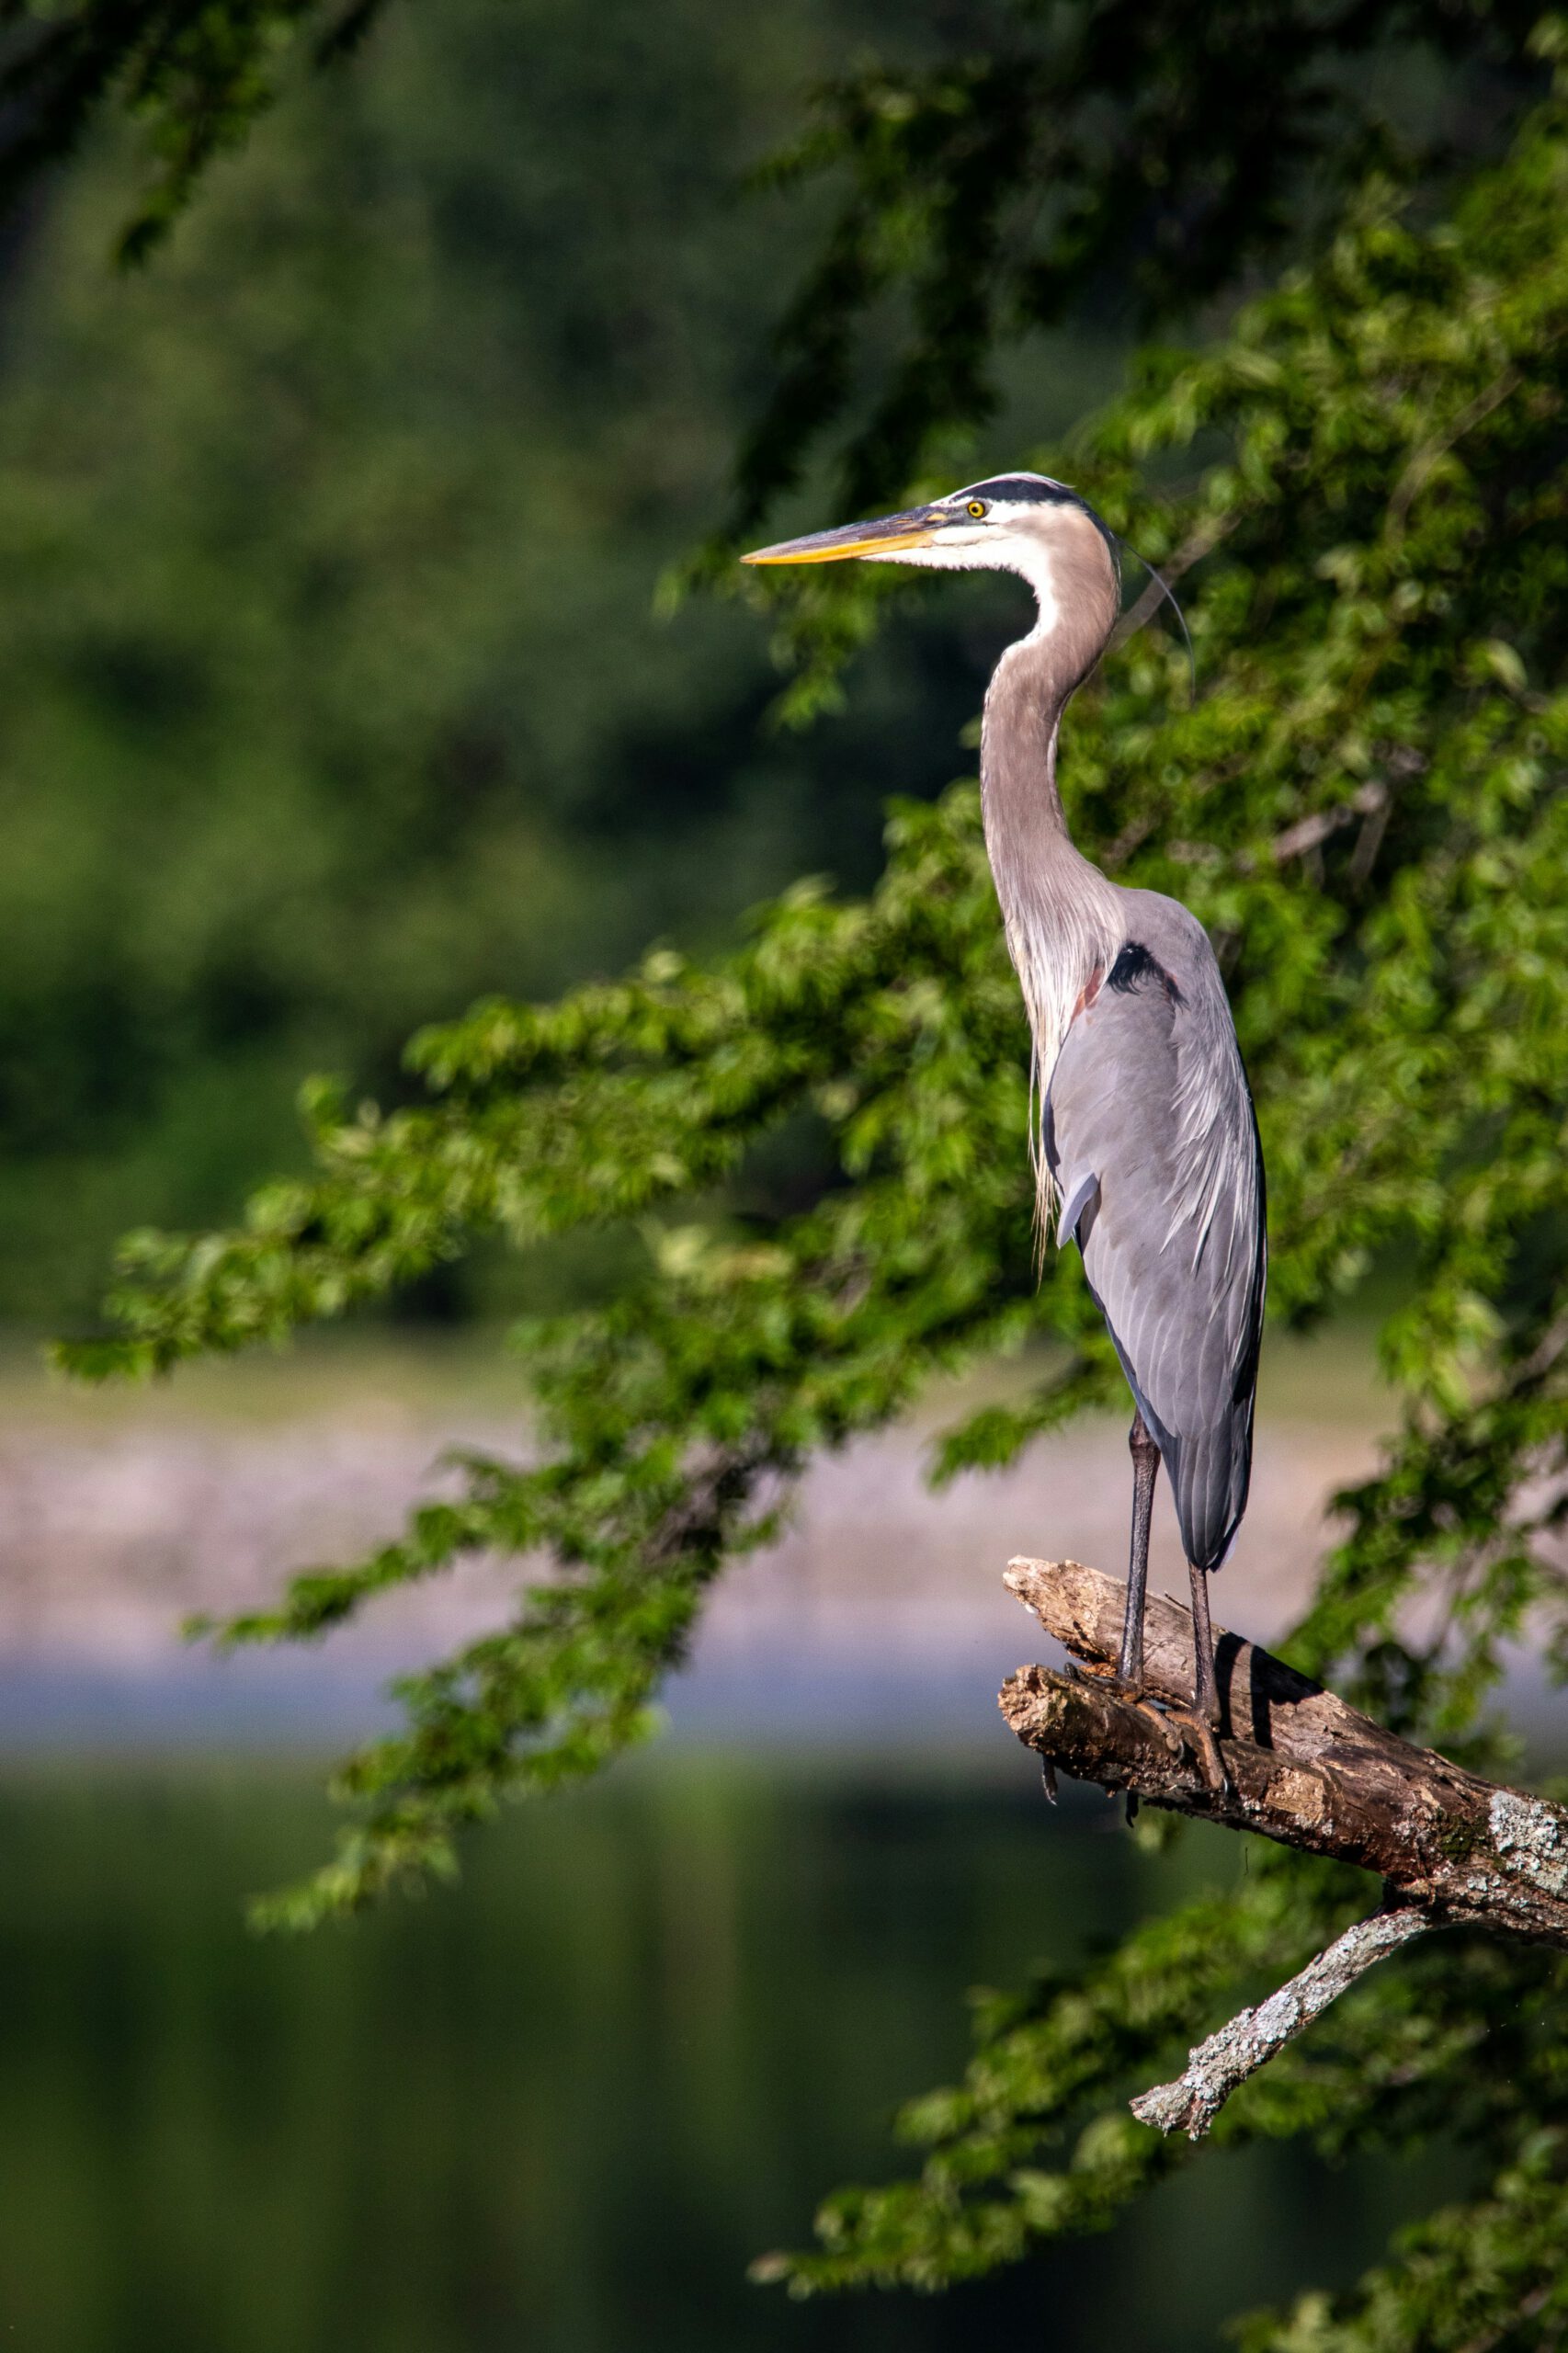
x=332 y=691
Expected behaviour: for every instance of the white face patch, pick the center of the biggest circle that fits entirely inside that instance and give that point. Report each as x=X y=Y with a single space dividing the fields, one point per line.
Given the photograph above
x=1015 y=536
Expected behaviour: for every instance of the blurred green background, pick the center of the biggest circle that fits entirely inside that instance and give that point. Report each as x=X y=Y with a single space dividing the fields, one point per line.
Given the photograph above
x=331 y=691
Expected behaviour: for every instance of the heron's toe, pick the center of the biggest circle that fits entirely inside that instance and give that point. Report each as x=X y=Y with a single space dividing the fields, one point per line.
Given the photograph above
x=1133 y=1695
x=1201 y=1739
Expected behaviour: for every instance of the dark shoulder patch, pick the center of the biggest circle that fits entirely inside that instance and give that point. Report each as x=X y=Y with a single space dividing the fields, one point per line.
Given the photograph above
x=1135 y=966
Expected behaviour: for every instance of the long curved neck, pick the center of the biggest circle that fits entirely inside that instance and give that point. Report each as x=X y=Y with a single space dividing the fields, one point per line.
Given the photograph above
x=1063 y=918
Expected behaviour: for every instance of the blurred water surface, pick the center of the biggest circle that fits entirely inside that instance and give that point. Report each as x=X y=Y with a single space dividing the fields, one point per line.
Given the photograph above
x=881 y=1608
x=561 y=2107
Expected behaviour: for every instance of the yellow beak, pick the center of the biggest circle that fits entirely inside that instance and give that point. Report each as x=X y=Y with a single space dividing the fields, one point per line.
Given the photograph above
x=886 y=537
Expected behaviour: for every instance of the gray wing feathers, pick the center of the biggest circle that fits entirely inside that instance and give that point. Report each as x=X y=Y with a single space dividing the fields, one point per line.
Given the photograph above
x=1074 y=1204
x=1151 y=1136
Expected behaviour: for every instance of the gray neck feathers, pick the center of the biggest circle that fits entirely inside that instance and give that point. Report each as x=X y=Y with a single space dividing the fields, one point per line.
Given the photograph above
x=1063 y=919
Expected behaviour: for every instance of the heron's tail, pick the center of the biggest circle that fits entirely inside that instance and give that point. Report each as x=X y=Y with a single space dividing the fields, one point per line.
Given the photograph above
x=1210 y=1473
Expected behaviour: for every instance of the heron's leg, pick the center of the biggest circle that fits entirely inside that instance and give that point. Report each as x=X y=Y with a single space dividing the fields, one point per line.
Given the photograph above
x=1130 y=1666
x=1205 y=1692
x=1145 y=1470
x=1202 y=1719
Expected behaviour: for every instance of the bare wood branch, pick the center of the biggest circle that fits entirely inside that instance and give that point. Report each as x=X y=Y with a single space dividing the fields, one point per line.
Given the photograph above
x=1216 y=2068
x=1369 y=842
x=1425 y=458
x=1301 y=1765
x=1371 y=801
x=1368 y=800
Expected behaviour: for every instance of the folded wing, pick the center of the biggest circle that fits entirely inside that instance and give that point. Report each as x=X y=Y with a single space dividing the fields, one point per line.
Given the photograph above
x=1150 y=1137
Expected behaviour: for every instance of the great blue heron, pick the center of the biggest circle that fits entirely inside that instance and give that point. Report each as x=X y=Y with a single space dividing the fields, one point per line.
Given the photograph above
x=1147 y=1145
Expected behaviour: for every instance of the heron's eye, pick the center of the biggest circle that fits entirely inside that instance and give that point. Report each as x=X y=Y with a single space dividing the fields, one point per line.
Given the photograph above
x=977 y=507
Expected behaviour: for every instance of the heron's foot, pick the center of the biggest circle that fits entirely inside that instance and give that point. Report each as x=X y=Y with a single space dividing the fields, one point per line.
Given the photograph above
x=1132 y=1695
x=1203 y=1739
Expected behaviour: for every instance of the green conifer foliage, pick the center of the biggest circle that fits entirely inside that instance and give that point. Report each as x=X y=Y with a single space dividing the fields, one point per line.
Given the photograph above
x=1365 y=485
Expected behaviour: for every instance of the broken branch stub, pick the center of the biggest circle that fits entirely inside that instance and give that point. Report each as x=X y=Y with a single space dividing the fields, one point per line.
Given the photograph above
x=1301 y=1765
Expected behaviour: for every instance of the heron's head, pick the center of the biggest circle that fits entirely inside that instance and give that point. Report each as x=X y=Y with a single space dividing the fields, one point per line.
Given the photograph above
x=1023 y=523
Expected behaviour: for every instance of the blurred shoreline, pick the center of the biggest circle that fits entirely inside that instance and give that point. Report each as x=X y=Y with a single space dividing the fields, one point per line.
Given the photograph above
x=122 y=1512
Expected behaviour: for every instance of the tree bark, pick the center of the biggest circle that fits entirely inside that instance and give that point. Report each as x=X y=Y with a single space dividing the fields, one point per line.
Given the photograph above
x=1216 y=2067
x=1301 y=1766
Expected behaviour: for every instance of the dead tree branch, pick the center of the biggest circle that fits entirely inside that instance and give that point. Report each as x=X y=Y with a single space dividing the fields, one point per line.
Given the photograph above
x=1300 y=1767
x=1216 y=2067
x=1309 y=833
